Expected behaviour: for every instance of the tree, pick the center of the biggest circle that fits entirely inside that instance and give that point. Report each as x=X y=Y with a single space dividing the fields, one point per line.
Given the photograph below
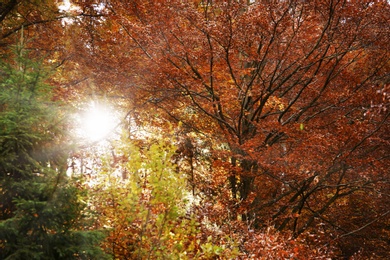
x=49 y=26
x=37 y=20
x=143 y=203
x=41 y=212
x=285 y=86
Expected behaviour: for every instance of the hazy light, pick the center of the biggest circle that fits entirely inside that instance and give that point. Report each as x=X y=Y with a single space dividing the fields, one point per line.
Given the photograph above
x=98 y=122
x=65 y=6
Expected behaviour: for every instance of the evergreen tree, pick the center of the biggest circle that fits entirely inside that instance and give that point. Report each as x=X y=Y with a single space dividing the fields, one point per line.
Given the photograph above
x=41 y=212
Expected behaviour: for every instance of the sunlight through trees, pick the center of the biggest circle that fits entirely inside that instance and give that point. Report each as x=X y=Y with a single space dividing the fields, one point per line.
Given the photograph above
x=194 y=129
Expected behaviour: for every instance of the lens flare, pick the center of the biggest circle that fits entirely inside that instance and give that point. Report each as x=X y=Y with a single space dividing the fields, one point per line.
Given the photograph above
x=98 y=122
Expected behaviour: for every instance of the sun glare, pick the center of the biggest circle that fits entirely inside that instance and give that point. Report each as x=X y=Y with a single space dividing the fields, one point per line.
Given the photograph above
x=65 y=6
x=98 y=122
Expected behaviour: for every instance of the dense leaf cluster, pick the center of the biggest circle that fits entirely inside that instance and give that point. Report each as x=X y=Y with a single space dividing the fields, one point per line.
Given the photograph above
x=281 y=128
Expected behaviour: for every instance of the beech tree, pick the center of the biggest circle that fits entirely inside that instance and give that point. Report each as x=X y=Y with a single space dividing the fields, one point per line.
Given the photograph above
x=39 y=21
x=286 y=86
x=47 y=26
x=282 y=110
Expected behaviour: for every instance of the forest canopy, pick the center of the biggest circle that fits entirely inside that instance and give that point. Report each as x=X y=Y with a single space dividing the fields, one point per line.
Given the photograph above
x=235 y=129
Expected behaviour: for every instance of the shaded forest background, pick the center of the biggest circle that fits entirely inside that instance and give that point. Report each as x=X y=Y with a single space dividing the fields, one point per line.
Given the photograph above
x=248 y=129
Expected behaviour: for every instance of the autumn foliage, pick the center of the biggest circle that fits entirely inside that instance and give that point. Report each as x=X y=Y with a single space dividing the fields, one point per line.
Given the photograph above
x=281 y=123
